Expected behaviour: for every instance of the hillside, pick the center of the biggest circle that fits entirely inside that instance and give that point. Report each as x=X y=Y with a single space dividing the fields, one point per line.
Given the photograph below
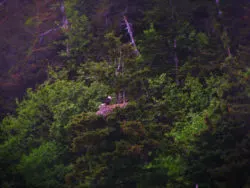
x=128 y=94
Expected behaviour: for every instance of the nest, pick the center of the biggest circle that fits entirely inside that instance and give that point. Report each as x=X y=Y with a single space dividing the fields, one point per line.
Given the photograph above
x=105 y=110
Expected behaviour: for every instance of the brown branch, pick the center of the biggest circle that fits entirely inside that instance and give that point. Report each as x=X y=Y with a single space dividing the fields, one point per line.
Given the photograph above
x=40 y=49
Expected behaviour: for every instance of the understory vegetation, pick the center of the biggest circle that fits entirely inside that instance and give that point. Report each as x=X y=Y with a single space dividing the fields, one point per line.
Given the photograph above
x=183 y=68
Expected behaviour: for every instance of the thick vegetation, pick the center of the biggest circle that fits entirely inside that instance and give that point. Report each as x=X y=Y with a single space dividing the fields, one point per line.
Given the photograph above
x=186 y=81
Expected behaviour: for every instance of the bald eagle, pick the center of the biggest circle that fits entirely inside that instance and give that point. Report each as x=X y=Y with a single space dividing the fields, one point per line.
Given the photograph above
x=107 y=101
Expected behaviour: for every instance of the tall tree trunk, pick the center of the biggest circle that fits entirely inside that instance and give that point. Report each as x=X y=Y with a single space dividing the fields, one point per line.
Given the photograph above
x=130 y=32
x=176 y=60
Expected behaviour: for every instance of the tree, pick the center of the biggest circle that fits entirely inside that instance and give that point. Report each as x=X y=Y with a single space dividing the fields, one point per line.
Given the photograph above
x=113 y=151
x=218 y=148
x=41 y=119
x=121 y=69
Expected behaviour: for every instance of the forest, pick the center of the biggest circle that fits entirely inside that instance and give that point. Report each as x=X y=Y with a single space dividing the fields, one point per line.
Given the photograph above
x=125 y=93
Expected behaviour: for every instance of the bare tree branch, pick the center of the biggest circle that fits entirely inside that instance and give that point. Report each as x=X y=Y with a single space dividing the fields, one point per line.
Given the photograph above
x=176 y=60
x=130 y=32
x=64 y=26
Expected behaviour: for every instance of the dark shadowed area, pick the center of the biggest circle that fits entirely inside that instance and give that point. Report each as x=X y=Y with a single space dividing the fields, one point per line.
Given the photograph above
x=125 y=93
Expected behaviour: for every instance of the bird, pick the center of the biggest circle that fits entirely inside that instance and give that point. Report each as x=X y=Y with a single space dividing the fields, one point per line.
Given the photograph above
x=107 y=101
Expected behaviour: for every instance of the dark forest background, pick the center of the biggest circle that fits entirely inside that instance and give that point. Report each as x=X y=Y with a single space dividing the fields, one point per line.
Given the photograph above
x=182 y=66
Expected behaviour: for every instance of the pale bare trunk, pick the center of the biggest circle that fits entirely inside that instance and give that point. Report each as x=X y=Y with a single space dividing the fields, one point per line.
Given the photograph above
x=130 y=32
x=176 y=62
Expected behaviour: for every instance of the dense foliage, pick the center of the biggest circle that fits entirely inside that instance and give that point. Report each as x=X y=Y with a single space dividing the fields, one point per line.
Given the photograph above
x=186 y=81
